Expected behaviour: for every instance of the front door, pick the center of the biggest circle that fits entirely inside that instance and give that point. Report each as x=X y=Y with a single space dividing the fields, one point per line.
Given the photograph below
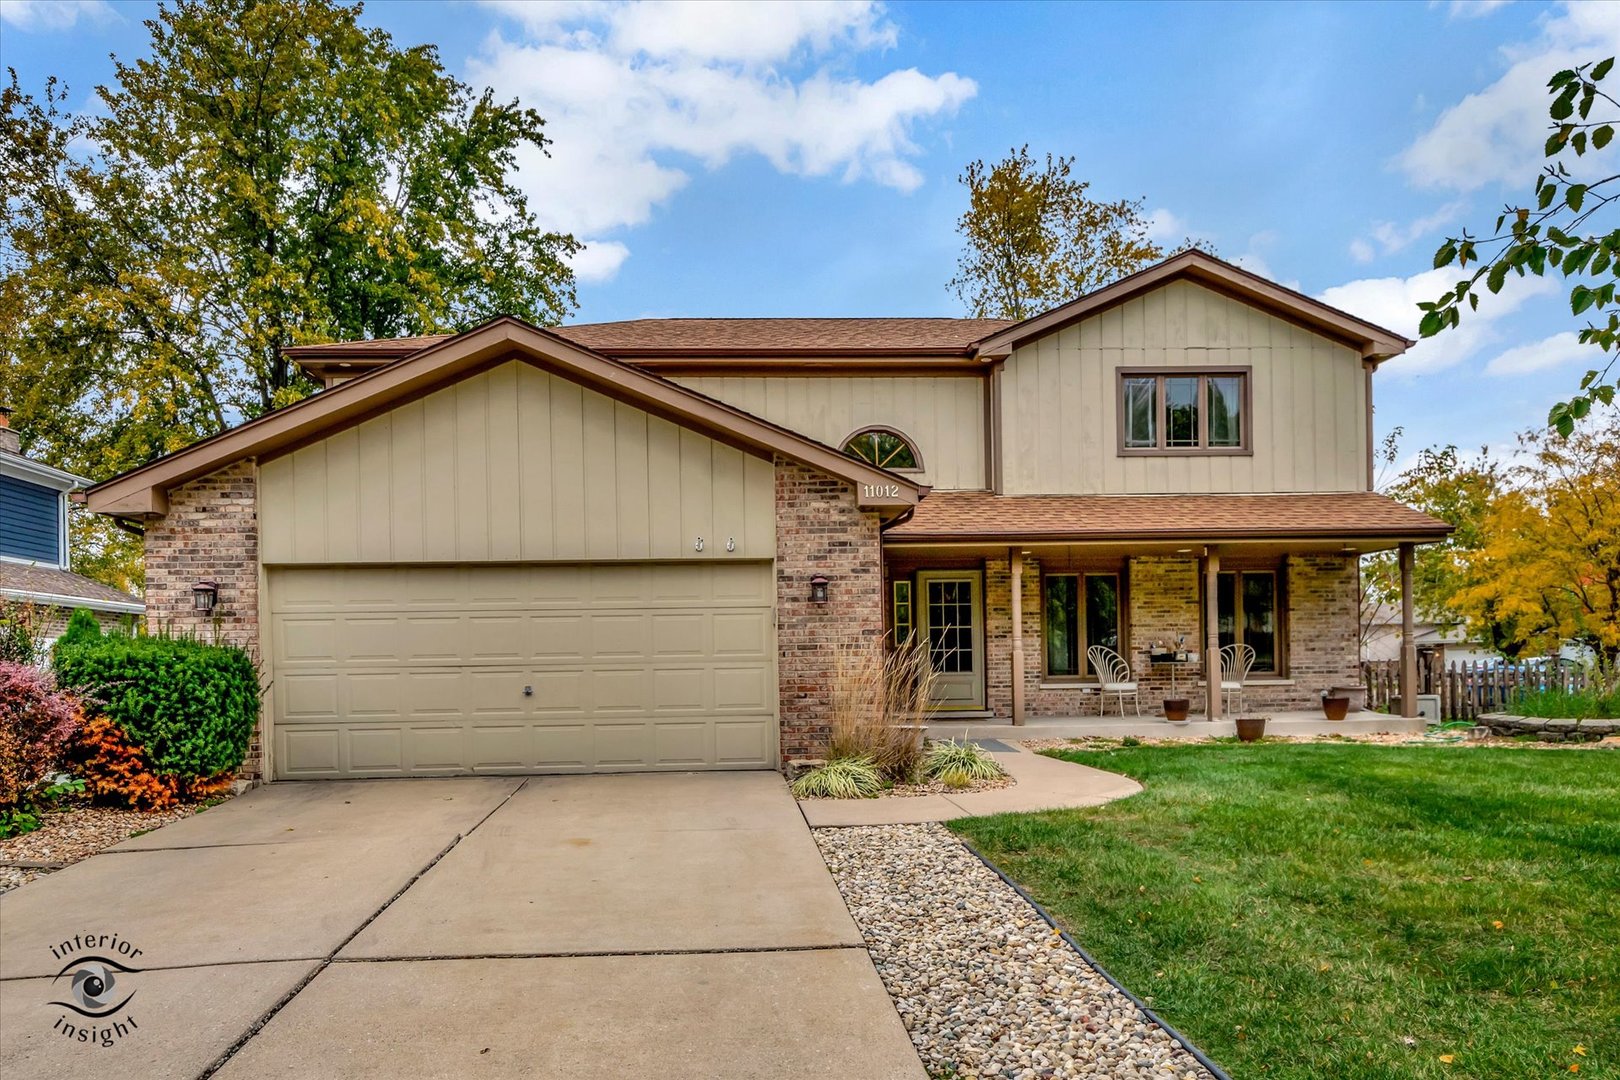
x=952 y=622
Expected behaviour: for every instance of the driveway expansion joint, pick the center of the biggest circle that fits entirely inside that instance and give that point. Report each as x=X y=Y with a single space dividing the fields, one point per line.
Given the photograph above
x=326 y=961
x=588 y=954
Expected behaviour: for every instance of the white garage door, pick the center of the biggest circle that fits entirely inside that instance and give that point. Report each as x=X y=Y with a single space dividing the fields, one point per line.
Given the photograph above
x=427 y=671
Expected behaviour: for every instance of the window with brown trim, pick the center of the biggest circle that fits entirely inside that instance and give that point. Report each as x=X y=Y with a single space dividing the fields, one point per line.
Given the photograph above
x=1184 y=411
x=1248 y=610
x=1080 y=610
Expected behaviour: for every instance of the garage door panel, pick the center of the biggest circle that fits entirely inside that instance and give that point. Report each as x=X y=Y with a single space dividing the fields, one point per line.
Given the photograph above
x=421 y=670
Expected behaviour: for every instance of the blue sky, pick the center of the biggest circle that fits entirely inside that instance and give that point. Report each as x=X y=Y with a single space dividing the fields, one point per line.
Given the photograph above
x=802 y=158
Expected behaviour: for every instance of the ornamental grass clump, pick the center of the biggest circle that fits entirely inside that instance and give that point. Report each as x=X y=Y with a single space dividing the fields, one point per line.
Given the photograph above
x=842 y=778
x=879 y=703
x=959 y=764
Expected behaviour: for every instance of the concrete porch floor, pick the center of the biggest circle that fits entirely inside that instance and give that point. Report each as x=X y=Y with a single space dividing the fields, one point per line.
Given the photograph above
x=1301 y=724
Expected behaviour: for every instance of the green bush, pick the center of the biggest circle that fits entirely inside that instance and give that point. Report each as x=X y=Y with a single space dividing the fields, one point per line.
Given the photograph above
x=1589 y=704
x=844 y=778
x=958 y=764
x=189 y=706
x=82 y=628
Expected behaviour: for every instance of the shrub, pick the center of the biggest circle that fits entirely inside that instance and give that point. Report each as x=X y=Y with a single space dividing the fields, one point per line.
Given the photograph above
x=958 y=764
x=37 y=720
x=188 y=707
x=880 y=698
x=82 y=628
x=22 y=629
x=844 y=778
x=1589 y=704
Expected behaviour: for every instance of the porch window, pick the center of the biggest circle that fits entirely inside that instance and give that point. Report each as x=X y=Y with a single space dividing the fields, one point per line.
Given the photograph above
x=1184 y=412
x=1082 y=610
x=905 y=621
x=1247 y=613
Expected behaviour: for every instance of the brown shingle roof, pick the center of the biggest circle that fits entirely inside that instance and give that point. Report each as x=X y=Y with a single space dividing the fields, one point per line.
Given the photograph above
x=640 y=337
x=48 y=581
x=972 y=515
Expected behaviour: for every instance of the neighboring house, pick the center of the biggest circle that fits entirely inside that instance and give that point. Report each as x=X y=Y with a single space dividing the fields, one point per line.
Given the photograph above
x=1448 y=641
x=640 y=545
x=35 y=567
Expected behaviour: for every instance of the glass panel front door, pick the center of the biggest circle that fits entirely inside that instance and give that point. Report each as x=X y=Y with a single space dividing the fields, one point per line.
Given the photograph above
x=953 y=623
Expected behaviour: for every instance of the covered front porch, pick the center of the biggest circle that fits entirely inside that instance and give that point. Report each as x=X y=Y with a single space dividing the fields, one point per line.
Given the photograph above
x=1298 y=724
x=1024 y=602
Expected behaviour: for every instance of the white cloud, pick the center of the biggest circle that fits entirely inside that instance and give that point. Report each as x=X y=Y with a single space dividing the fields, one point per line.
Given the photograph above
x=1472 y=9
x=53 y=14
x=1497 y=134
x=1540 y=355
x=1392 y=303
x=635 y=96
x=599 y=260
x=1390 y=237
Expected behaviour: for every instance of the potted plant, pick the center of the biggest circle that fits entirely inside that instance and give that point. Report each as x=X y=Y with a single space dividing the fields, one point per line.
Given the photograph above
x=1250 y=728
x=1335 y=704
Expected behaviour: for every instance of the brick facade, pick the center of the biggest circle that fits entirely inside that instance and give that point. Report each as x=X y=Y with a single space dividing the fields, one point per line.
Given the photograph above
x=820 y=530
x=211 y=533
x=1162 y=602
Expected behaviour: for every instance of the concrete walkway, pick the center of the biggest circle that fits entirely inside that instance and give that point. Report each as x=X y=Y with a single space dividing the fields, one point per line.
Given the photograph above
x=671 y=925
x=1043 y=784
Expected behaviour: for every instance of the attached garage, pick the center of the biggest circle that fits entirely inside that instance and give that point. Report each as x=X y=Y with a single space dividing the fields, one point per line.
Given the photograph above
x=422 y=671
x=504 y=553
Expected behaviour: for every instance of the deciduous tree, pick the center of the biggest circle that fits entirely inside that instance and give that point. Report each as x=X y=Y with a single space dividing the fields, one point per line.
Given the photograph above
x=1033 y=238
x=1570 y=228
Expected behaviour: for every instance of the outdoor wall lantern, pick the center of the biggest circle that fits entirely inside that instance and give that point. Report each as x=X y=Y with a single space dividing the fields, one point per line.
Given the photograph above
x=818 y=589
x=204 y=595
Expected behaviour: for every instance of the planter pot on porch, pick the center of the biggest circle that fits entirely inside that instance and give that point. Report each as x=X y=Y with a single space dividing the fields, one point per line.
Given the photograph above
x=1335 y=706
x=1357 y=695
x=1250 y=728
x=1176 y=709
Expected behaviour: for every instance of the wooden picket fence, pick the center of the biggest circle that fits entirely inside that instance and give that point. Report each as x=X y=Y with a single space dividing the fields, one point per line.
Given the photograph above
x=1470 y=687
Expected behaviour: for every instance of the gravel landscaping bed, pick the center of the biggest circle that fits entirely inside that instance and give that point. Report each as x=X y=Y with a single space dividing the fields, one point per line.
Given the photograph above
x=985 y=987
x=70 y=835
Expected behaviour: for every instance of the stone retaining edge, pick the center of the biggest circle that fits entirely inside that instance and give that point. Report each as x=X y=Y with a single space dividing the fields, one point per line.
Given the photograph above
x=1551 y=730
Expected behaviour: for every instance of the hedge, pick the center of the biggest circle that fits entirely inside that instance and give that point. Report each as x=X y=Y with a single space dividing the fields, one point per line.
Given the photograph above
x=189 y=706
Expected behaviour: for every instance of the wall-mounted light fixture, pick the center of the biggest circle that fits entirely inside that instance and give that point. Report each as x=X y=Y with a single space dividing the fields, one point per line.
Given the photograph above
x=204 y=595
x=818 y=589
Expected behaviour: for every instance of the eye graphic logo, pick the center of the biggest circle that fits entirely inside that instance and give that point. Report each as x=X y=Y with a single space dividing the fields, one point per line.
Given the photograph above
x=94 y=986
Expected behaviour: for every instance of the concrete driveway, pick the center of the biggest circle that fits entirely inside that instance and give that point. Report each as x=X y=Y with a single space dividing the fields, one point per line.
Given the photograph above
x=671 y=925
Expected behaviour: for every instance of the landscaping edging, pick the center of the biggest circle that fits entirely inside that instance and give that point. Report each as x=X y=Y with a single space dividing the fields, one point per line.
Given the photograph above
x=1549 y=730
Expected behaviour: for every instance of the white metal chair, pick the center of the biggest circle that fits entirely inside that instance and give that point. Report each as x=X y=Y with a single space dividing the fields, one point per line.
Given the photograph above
x=1115 y=677
x=1236 y=661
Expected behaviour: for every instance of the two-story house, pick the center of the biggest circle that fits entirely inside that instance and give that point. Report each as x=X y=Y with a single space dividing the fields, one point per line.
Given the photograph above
x=640 y=545
x=36 y=566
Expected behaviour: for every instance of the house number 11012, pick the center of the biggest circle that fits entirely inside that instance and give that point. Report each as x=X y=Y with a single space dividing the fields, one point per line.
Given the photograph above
x=880 y=491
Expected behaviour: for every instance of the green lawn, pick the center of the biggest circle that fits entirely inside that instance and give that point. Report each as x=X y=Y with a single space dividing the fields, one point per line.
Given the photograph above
x=1352 y=912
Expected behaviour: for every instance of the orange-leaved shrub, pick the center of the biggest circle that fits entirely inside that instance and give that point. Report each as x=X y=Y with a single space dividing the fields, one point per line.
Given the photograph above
x=114 y=770
x=37 y=721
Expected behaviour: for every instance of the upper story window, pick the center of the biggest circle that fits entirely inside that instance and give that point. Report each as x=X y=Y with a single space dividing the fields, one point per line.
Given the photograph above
x=1184 y=412
x=884 y=448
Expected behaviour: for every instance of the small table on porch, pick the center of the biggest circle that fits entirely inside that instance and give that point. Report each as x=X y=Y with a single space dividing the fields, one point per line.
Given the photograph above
x=1173 y=660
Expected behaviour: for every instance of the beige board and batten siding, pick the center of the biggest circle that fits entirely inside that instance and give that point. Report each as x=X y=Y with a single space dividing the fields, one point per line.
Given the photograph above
x=943 y=415
x=537 y=668
x=1059 y=401
x=515 y=464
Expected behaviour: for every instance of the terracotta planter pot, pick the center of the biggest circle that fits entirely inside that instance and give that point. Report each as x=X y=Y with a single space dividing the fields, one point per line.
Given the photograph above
x=1335 y=708
x=1250 y=728
x=1176 y=709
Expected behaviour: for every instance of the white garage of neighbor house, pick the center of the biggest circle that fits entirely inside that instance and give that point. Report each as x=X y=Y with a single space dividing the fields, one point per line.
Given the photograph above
x=509 y=554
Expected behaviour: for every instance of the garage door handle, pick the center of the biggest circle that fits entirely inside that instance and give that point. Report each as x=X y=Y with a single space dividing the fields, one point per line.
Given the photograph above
x=528 y=691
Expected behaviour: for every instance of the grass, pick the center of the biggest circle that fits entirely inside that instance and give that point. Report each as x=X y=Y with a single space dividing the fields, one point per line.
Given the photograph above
x=1353 y=912
x=1563 y=705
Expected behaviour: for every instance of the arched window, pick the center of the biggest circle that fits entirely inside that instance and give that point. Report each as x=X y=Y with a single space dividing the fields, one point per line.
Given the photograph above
x=884 y=448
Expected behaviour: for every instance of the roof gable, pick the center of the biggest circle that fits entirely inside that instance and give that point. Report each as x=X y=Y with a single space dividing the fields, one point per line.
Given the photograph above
x=1372 y=342
x=143 y=491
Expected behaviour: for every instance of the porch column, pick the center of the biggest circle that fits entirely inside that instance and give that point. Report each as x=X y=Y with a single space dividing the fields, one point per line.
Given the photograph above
x=1212 y=633
x=1015 y=562
x=1408 y=634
